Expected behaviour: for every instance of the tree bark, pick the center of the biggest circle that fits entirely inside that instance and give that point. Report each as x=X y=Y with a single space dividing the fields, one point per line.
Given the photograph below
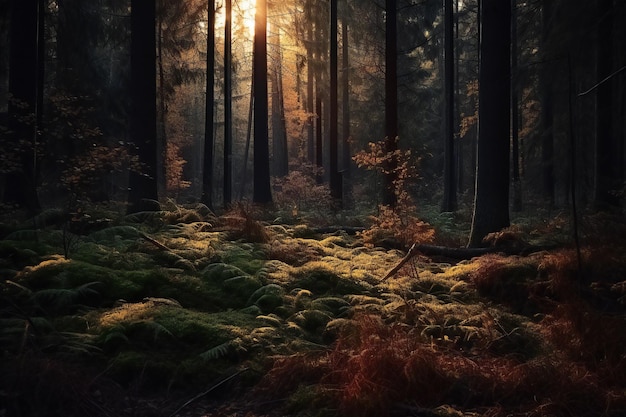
x=491 y=200
x=143 y=120
x=21 y=185
x=607 y=181
x=207 y=171
x=391 y=101
x=449 y=175
x=335 y=177
x=228 y=111
x=517 y=184
x=262 y=191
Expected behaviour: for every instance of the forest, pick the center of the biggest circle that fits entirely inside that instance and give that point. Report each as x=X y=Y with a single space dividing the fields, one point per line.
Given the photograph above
x=313 y=208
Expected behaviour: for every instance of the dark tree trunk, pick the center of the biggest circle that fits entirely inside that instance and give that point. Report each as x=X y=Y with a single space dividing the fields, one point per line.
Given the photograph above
x=21 y=188
x=143 y=124
x=262 y=191
x=162 y=180
x=279 y=130
x=607 y=181
x=517 y=184
x=319 y=145
x=310 y=81
x=335 y=177
x=449 y=175
x=345 y=97
x=391 y=101
x=547 y=112
x=228 y=112
x=207 y=171
x=491 y=204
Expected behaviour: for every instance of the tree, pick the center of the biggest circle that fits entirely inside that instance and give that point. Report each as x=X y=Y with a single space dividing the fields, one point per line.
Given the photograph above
x=391 y=101
x=335 y=177
x=517 y=183
x=143 y=185
x=449 y=177
x=207 y=170
x=491 y=200
x=24 y=63
x=345 y=99
x=607 y=177
x=547 y=111
x=262 y=191
x=228 y=111
x=279 y=128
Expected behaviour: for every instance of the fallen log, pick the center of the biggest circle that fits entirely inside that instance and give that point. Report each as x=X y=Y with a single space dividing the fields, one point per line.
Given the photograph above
x=459 y=254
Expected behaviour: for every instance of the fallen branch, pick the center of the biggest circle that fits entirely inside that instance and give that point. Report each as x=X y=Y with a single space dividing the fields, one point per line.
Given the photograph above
x=202 y=394
x=154 y=242
x=459 y=253
x=411 y=253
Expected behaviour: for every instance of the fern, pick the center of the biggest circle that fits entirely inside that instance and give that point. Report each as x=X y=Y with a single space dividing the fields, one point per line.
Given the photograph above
x=60 y=300
x=271 y=319
x=219 y=351
x=114 y=233
x=221 y=271
x=270 y=289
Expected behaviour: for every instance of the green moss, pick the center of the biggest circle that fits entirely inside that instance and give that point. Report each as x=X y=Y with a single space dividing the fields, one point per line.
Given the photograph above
x=319 y=280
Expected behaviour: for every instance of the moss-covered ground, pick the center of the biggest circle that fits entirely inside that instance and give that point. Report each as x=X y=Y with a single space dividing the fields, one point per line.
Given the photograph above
x=182 y=313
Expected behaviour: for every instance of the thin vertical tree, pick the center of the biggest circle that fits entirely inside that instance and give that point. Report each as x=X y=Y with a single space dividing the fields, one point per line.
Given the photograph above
x=23 y=75
x=391 y=102
x=491 y=200
x=547 y=104
x=515 y=145
x=228 y=110
x=345 y=100
x=143 y=185
x=310 y=81
x=335 y=177
x=449 y=175
x=262 y=190
x=207 y=170
x=279 y=129
x=607 y=180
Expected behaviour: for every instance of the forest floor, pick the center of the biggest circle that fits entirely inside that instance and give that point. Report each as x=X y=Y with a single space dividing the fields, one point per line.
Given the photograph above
x=182 y=313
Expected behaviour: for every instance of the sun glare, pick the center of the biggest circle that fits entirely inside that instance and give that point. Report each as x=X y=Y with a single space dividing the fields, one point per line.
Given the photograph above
x=243 y=14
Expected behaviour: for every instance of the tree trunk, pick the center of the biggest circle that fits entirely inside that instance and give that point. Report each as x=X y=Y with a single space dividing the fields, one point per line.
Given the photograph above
x=319 y=117
x=207 y=171
x=162 y=160
x=143 y=185
x=517 y=184
x=491 y=201
x=449 y=175
x=607 y=181
x=228 y=111
x=279 y=130
x=21 y=187
x=391 y=102
x=547 y=113
x=335 y=177
x=262 y=191
x=310 y=81
x=345 y=97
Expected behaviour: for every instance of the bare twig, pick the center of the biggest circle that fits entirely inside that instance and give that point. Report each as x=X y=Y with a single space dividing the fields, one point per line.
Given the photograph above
x=411 y=253
x=202 y=394
x=154 y=242
x=584 y=93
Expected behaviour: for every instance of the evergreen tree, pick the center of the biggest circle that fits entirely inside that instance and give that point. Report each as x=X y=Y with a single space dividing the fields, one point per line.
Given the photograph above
x=21 y=181
x=143 y=185
x=207 y=168
x=491 y=201
x=262 y=191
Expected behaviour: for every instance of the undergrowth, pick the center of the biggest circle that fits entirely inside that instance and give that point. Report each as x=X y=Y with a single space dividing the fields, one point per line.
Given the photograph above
x=164 y=304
